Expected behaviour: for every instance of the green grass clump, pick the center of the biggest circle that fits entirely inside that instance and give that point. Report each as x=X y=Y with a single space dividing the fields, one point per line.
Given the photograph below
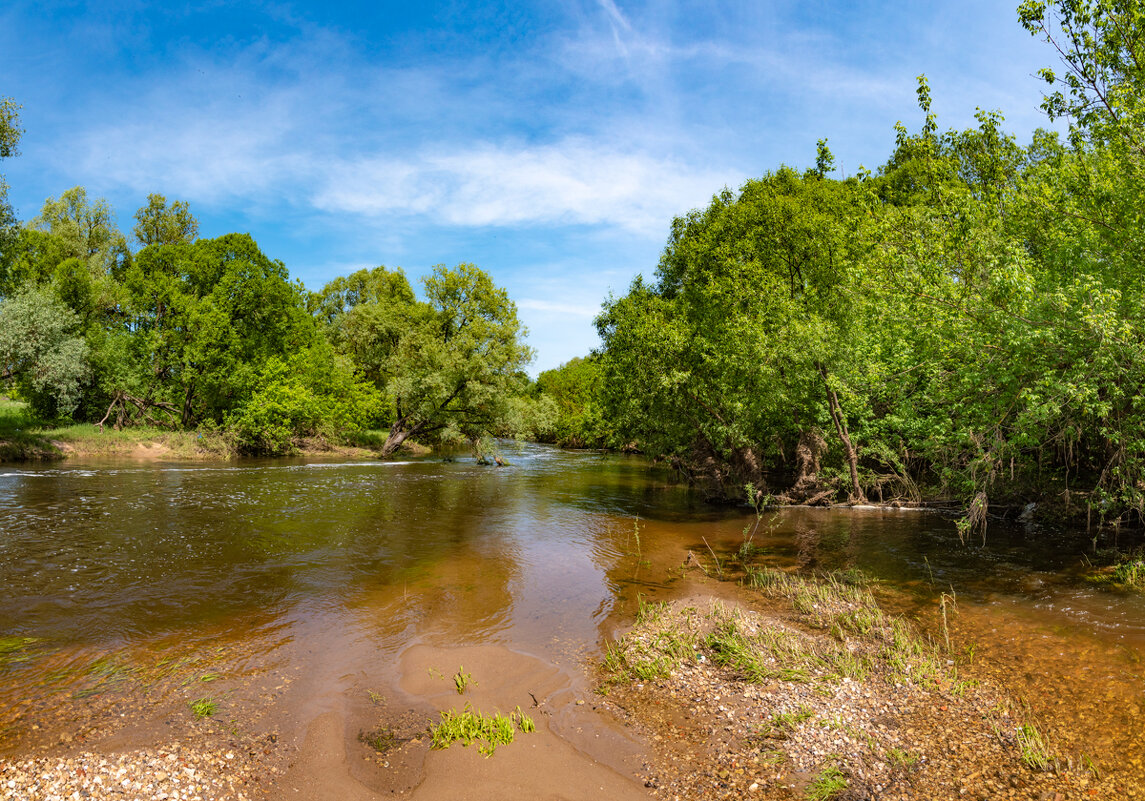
x=899 y=759
x=648 y=658
x=204 y=707
x=523 y=721
x=468 y=727
x=1130 y=574
x=774 y=653
x=462 y=680
x=827 y=784
x=783 y=723
x=1036 y=754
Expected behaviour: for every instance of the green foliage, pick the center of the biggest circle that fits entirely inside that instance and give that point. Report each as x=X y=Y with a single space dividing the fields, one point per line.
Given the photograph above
x=572 y=392
x=754 y=321
x=10 y=133
x=313 y=393
x=1035 y=753
x=462 y=680
x=969 y=321
x=828 y=783
x=468 y=727
x=204 y=707
x=41 y=352
x=158 y=223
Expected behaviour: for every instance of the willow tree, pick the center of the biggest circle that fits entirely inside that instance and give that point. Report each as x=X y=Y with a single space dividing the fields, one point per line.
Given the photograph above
x=445 y=367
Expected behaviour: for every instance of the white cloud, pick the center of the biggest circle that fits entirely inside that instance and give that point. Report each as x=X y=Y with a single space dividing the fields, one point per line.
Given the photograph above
x=586 y=311
x=570 y=182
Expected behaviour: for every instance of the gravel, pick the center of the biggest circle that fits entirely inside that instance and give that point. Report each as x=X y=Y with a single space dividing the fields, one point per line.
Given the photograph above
x=172 y=772
x=715 y=735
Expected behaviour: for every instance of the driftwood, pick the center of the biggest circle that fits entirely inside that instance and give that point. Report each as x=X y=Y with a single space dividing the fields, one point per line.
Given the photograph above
x=119 y=405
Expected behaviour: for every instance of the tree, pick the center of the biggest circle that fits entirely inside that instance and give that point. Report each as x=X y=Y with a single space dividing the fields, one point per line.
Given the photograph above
x=748 y=342
x=158 y=223
x=10 y=132
x=1101 y=44
x=204 y=319
x=575 y=389
x=365 y=315
x=455 y=367
x=41 y=351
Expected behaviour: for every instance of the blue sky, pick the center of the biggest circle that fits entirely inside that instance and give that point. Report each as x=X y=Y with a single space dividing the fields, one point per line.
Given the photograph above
x=550 y=143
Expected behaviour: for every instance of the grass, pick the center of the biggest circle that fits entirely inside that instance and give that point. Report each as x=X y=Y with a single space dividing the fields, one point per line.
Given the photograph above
x=468 y=727
x=462 y=680
x=523 y=721
x=1130 y=574
x=19 y=435
x=843 y=605
x=783 y=723
x=827 y=784
x=204 y=707
x=1036 y=754
x=899 y=759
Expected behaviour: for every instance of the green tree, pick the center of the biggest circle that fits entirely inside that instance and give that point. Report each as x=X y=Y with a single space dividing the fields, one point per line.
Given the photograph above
x=10 y=132
x=575 y=389
x=750 y=339
x=158 y=223
x=365 y=315
x=455 y=368
x=204 y=318
x=41 y=351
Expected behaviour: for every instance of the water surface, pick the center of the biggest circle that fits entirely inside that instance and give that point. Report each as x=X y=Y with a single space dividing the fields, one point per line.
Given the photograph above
x=328 y=569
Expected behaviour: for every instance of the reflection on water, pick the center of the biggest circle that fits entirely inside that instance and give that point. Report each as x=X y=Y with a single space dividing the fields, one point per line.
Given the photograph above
x=114 y=552
x=327 y=558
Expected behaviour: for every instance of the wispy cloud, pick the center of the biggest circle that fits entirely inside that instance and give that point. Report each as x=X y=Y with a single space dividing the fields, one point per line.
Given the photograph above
x=586 y=311
x=569 y=182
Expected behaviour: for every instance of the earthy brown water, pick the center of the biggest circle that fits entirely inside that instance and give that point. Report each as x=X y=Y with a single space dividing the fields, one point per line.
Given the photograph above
x=327 y=573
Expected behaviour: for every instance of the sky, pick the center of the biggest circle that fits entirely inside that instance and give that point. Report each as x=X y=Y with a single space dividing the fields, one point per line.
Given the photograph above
x=550 y=143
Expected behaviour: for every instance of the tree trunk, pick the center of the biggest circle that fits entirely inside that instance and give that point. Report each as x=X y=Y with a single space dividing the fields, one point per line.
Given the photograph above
x=857 y=495
x=397 y=436
x=187 y=411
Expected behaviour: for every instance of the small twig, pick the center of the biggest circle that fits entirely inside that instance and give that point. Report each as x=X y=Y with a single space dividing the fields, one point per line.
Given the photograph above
x=719 y=568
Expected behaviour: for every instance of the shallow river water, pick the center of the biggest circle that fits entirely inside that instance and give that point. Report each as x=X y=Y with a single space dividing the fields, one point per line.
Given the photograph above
x=331 y=572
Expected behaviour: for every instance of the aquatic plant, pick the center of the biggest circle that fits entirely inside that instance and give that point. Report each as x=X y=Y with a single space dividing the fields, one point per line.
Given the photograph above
x=204 y=707
x=381 y=739
x=462 y=680
x=16 y=649
x=468 y=727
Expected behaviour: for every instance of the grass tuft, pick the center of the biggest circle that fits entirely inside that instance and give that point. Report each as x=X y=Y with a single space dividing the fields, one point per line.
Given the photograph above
x=462 y=680
x=468 y=727
x=204 y=707
x=827 y=784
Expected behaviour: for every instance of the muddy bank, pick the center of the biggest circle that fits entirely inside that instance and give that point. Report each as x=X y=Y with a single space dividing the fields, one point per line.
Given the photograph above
x=151 y=445
x=806 y=689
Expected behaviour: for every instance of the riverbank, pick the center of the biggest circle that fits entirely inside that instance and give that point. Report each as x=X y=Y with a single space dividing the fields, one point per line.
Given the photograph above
x=154 y=444
x=789 y=687
x=805 y=689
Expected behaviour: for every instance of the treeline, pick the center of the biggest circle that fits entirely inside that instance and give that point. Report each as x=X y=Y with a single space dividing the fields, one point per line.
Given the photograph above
x=967 y=321
x=175 y=331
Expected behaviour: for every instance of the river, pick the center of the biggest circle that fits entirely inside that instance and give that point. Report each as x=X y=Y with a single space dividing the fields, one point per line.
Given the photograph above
x=332 y=575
